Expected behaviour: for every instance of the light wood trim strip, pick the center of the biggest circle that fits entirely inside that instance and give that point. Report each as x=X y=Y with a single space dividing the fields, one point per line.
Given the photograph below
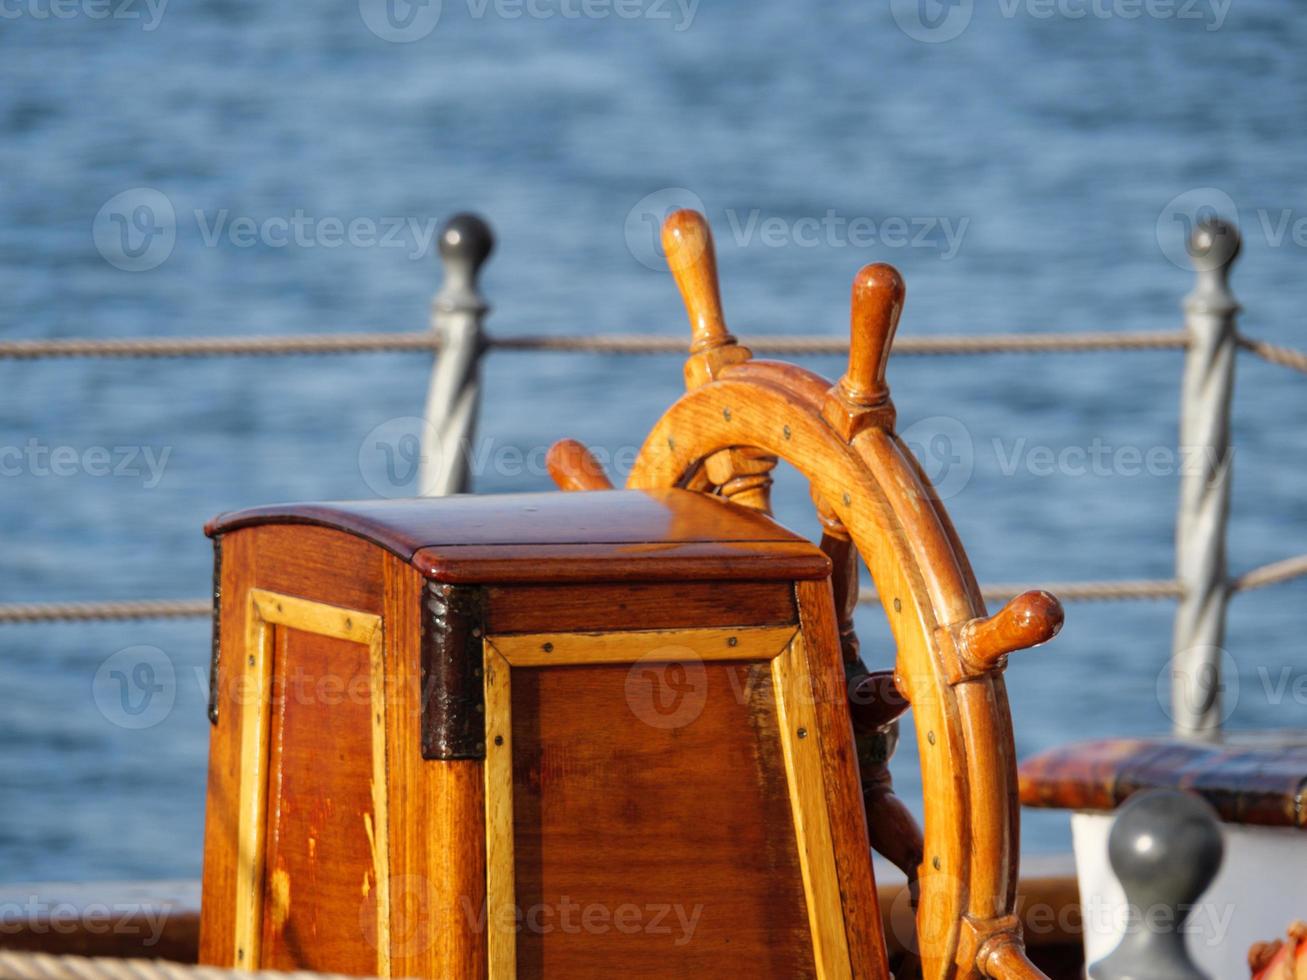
x=255 y=683
x=269 y=609
x=380 y=828
x=629 y=646
x=315 y=617
x=501 y=871
x=796 y=714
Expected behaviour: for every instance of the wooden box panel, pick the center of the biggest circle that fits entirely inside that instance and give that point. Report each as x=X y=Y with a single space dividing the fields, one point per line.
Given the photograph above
x=633 y=769
x=657 y=832
x=322 y=814
x=311 y=774
x=338 y=839
x=318 y=716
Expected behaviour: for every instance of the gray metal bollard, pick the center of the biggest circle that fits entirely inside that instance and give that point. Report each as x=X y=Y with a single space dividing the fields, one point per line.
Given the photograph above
x=1165 y=848
x=457 y=314
x=1211 y=312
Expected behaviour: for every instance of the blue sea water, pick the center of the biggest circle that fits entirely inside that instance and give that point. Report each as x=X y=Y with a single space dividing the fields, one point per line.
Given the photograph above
x=1026 y=171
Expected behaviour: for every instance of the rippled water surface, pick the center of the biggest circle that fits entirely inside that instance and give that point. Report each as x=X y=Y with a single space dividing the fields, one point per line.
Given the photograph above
x=1035 y=162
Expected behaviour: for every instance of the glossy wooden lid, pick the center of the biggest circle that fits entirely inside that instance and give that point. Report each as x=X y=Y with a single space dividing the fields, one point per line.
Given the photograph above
x=1255 y=780
x=602 y=536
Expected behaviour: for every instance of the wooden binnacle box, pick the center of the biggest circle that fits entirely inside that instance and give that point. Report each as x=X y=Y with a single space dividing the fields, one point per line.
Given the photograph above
x=571 y=735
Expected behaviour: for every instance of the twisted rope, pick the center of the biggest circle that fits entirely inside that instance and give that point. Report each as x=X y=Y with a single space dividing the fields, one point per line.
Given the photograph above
x=1111 y=591
x=1283 y=356
x=42 y=966
x=360 y=343
x=1145 y=589
x=84 y=612
x=637 y=344
x=1273 y=574
x=800 y=345
x=345 y=343
x=1120 y=591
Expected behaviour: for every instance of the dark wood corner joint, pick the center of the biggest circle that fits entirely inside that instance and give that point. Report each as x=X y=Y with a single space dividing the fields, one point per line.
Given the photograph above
x=215 y=651
x=453 y=691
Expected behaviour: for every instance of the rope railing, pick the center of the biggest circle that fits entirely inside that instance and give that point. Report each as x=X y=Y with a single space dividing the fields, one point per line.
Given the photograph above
x=87 y=612
x=1283 y=356
x=1272 y=574
x=264 y=346
x=1003 y=343
x=14 y=613
x=1123 y=590
x=629 y=344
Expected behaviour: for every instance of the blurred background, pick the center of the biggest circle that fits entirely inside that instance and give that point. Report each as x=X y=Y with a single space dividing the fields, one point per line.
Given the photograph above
x=1029 y=165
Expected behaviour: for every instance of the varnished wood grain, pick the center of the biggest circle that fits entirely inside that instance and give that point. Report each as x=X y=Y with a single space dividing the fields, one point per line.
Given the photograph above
x=340 y=569
x=636 y=562
x=849 y=833
x=800 y=737
x=614 y=813
x=436 y=894
x=217 y=937
x=1258 y=784
x=602 y=536
x=544 y=608
x=437 y=829
x=316 y=653
x=323 y=854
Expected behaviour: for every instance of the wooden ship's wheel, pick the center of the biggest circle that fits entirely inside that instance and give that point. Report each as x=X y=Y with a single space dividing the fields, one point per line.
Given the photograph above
x=741 y=416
